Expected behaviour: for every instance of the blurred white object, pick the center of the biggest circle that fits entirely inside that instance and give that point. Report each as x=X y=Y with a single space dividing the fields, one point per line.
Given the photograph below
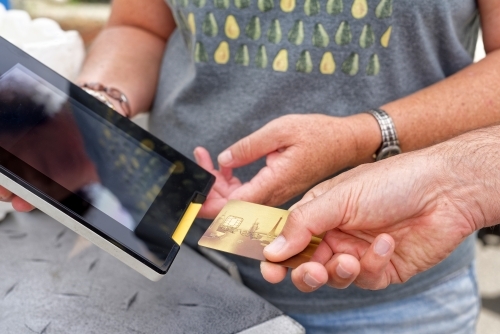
x=43 y=38
x=480 y=53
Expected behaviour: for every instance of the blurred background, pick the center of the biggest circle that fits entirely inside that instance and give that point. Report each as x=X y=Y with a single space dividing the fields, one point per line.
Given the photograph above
x=87 y=17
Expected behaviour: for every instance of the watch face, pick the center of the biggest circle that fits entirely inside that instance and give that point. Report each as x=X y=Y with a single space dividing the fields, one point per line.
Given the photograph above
x=388 y=152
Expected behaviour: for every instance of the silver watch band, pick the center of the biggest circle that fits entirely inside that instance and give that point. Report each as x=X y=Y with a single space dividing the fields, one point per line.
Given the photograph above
x=390 y=142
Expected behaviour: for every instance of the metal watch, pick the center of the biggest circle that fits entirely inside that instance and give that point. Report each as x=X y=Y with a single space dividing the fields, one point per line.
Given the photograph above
x=390 y=142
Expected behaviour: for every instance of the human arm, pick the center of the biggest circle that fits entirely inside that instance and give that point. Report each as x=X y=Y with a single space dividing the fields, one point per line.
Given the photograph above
x=126 y=55
x=302 y=150
x=420 y=206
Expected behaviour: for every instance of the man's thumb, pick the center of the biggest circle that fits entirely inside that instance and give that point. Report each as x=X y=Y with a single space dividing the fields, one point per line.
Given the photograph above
x=313 y=218
x=294 y=238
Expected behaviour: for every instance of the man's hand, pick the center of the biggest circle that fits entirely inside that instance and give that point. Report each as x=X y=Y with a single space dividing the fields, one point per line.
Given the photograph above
x=300 y=151
x=390 y=220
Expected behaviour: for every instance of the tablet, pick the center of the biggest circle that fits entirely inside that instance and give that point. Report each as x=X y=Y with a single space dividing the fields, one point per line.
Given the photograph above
x=93 y=170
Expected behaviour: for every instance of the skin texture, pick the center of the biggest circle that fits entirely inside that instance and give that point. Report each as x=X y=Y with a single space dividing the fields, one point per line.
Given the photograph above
x=127 y=55
x=299 y=160
x=390 y=220
x=462 y=102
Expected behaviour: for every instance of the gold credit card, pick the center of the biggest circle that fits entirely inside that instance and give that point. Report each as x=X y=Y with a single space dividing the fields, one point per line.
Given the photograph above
x=244 y=229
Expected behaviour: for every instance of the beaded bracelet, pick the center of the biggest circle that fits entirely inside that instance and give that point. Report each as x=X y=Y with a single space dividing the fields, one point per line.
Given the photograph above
x=97 y=89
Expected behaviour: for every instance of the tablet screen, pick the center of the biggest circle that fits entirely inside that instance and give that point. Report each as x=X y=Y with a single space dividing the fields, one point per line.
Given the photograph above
x=108 y=169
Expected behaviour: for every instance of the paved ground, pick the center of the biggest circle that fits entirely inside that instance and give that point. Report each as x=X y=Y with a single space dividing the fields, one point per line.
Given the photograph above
x=488 y=270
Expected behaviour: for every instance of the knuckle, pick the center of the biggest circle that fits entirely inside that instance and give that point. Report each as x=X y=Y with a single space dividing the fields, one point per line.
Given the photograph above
x=288 y=124
x=244 y=148
x=296 y=218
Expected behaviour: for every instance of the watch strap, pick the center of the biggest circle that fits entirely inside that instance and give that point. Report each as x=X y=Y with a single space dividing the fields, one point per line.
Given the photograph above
x=388 y=131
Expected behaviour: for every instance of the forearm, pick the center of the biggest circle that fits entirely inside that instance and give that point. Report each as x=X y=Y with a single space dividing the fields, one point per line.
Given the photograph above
x=468 y=172
x=128 y=53
x=465 y=101
x=115 y=62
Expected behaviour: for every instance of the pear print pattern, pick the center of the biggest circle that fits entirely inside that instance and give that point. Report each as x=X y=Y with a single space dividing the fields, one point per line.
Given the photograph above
x=222 y=4
x=351 y=64
x=240 y=4
x=210 y=25
x=384 y=9
x=320 y=37
x=242 y=56
x=352 y=31
x=274 y=32
x=261 y=57
x=334 y=7
x=327 y=65
x=367 y=37
x=280 y=63
x=200 y=54
x=287 y=5
x=304 y=64
x=373 y=65
x=296 y=34
x=253 y=30
x=265 y=5
x=359 y=9
x=231 y=27
x=222 y=54
x=343 y=35
x=384 y=40
x=199 y=3
x=311 y=7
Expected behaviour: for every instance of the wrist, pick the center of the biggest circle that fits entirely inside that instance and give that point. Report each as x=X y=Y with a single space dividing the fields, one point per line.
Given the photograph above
x=471 y=165
x=110 y=96
x=365 y=130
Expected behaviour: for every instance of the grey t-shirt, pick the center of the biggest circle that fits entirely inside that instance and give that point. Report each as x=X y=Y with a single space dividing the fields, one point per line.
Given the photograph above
x=234 y=65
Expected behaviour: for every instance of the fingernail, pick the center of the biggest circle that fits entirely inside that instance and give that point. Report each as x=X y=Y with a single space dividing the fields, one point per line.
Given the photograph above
x=310 y=281
x=275 y=246
x=225 y=158
x=342 y=272
x=382 y=247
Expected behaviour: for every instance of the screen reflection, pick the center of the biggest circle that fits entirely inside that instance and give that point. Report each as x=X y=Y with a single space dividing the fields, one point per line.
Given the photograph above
x=107 y=170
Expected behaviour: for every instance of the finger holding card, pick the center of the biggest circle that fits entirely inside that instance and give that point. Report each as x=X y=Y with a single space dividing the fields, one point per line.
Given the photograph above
x=337 y=270
x=244 y=229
